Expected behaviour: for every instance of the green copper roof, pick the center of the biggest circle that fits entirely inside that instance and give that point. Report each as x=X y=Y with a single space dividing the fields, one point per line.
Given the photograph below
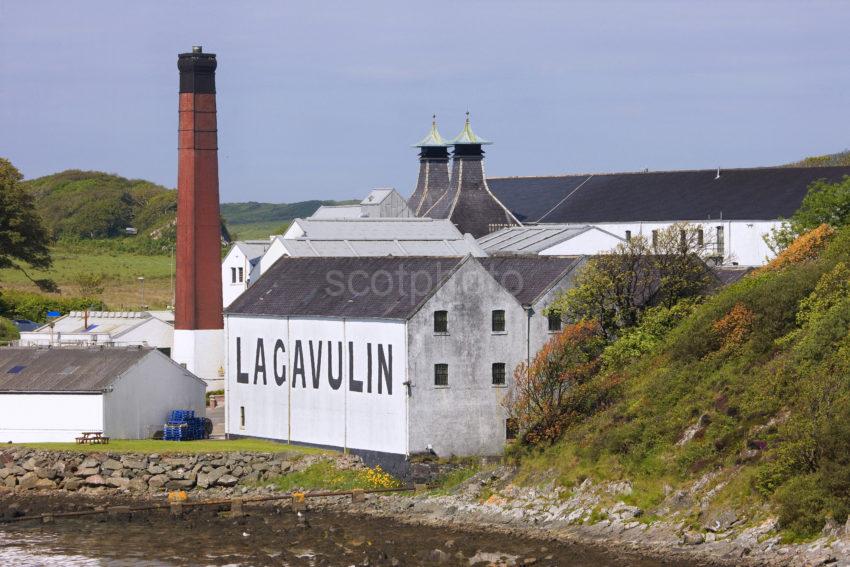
x=467 y=137
x=433 y=139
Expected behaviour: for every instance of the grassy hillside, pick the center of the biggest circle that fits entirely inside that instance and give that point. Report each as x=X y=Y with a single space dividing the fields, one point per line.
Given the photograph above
x=93 y=204
x=254 y=220
x=841 y=158
x=747 y=398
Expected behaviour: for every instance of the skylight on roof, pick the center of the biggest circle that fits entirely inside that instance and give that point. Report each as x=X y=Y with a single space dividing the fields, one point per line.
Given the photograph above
x=15 y=369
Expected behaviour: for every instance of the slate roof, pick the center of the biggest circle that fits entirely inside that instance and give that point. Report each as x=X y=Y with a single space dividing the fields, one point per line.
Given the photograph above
x=306 y=247
x=764 y=193
x=727 y=275
x=533 y=239
x=529 y=277
x=320 y=287
x=253 y=249
x=66 y=369
x=113 y=323
x=338 y=212
x=378 y=229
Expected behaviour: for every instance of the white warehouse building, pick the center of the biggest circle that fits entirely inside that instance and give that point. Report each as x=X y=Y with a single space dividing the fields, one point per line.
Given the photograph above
x=55 y=394
x=735 y=208
x=387 y=356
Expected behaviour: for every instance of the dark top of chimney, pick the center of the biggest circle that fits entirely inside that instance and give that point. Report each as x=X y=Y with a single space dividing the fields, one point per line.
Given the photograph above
x=197 y=71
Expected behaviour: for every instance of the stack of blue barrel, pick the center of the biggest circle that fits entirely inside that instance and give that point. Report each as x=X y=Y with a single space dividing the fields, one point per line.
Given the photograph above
x=184 y=426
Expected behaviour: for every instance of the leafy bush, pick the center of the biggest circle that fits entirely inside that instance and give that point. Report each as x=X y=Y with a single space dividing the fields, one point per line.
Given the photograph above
x=536 y=400
x=8 y=331
x=33 y=306
x=801 y=503
x=654 y=325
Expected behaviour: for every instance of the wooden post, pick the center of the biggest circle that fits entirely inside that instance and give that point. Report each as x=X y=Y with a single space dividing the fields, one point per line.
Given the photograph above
x=299 y=502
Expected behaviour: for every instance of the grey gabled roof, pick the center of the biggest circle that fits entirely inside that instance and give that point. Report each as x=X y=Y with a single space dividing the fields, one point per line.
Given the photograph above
x=378 y=229
x=378 y=287
x=305 y=247
x=532 y=239
x=528 y=278
x=66 y=369
x=764 y=193
x=253 y=249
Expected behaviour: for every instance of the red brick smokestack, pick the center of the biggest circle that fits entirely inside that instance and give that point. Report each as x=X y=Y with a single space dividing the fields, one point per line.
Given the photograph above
x=198 y=303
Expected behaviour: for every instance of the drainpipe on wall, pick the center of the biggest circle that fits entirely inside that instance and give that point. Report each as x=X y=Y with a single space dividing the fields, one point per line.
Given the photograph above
x=530 y=312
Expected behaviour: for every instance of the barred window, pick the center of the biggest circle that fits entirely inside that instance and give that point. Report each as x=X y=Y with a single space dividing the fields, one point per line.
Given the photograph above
x=554 y=322
x=232 y=275
x=498 y=373
x=241 y=275
x=441 y=321
x=498 y=320
x=441 y=374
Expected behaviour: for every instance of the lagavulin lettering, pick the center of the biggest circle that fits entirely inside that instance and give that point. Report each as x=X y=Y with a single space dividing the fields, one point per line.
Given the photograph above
x=311 y=357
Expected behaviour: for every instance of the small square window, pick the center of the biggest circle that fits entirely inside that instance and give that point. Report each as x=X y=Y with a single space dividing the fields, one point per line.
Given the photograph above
x=441 y=321
x=498 y=373
x=628 y=236
x=498 y=320
x=441 y=374
x=554 y=322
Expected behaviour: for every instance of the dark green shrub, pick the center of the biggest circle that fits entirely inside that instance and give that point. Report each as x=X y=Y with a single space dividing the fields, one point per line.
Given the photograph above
x=802 y=506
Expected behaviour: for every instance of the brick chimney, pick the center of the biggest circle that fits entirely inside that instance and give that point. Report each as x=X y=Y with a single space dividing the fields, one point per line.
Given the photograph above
x=469 y=203
x=433 y=179
x=198 y=324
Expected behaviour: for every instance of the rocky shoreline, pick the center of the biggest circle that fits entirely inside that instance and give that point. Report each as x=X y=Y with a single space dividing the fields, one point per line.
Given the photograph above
x=589 y=514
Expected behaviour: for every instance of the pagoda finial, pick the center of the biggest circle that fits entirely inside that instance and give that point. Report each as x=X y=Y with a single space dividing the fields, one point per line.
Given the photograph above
x=467 y=136
x=433 y=139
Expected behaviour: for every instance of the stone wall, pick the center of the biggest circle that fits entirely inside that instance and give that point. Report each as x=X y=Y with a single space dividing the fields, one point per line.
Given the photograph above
x=25 y=469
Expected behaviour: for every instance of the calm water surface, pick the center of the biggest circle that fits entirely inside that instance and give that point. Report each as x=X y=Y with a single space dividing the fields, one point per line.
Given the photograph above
x=278 y=538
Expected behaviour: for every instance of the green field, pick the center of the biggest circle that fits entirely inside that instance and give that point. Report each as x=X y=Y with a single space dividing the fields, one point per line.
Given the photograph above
x=183 y=447
x=256 y=230
x=121 y=270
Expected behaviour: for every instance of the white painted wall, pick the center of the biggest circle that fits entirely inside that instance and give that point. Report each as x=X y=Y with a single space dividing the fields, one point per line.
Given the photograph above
x=275 y=252
x=744 y=241
x=317 y=414
x=140 y=400
x=230 y=290
x=592 y=241
x=48 y=417
x=202 y=351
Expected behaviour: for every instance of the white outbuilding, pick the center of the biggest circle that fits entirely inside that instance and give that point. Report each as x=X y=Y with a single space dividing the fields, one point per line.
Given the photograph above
x=109 y=328
x=54 y=394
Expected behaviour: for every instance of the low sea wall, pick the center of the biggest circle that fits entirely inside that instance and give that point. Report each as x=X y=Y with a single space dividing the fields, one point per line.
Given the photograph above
x=25 y=469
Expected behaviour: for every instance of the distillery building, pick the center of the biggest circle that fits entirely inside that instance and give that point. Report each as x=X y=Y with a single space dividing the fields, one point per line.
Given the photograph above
x=387 y=356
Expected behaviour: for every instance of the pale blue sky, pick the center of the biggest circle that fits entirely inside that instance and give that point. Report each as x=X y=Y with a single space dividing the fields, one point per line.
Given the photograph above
x=323 y=99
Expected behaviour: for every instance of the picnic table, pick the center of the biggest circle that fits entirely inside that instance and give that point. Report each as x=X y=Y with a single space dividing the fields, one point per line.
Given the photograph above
x=92 y=438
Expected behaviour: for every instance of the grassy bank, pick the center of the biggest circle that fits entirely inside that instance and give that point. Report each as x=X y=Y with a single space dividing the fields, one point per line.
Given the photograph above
x=120 y=270
x=183 y=447
x=325 y=475
x=750 y=394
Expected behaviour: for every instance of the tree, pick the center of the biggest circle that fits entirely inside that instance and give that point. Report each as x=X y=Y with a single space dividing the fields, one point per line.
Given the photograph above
x=614 y=289
x=824 y=203
x=536 y=401
x=23 y=238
